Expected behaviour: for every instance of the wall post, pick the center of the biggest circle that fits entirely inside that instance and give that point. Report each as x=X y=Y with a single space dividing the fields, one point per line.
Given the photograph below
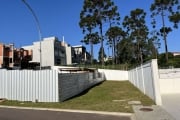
x=156 y=82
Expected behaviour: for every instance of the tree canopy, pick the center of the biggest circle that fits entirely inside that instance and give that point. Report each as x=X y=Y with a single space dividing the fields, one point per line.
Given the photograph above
x=165 y=8
x=132 y=40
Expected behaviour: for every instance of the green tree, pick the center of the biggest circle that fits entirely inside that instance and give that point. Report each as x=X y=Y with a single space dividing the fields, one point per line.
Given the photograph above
x=126 y=51
x=175 y=18
x=87 y=23
x=153 y=44
x=163 y=8
x=94 y=38
x=115 y=34
x=101 y=11
x=101 y=51
x=165 y=30
x=113 y=16
x=154 y=41
x=138 y=32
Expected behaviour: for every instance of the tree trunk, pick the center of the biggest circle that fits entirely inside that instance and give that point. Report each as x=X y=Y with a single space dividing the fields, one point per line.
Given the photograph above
x=114 y=49
x=164 y=35
x=102 y=53
x=91 y=45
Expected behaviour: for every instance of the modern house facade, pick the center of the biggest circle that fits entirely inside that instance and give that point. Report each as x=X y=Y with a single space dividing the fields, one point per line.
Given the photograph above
x=52 y=52
x=68 y=50
x=80 y=55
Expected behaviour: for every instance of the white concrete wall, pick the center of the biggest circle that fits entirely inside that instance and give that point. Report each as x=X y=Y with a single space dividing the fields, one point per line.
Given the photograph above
x=145 y=77
x=36 y=52
x=58 y=68
x=118 y=75
x=169 y=81
x=169 y=73
x=30 y=47
x=170 y=86
x=48 y=52
x=68 y=55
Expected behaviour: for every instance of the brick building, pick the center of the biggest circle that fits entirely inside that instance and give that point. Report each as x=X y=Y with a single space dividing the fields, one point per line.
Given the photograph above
x=6 y=55
x=11 y=56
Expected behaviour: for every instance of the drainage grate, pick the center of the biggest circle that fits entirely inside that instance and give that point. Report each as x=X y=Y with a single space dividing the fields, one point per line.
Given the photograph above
x=146 y=109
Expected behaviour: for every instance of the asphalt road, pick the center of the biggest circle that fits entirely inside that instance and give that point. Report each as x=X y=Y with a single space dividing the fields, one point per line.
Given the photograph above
x=20 y=114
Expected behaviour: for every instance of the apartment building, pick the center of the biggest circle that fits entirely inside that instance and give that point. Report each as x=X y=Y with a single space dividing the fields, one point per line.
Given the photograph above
x=6 y=55
x=52 y=52
x=11 y=56
x=22 y=58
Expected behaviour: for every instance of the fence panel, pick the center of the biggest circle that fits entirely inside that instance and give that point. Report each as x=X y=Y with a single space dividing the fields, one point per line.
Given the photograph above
x=29 y=85
x=145 y=77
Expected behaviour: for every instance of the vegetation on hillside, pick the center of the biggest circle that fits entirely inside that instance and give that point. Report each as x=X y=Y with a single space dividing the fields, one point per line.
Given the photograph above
x=131 y=39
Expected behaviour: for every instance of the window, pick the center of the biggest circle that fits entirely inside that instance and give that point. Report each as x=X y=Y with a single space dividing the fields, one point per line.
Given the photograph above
x=58 y=61
x=10 y=60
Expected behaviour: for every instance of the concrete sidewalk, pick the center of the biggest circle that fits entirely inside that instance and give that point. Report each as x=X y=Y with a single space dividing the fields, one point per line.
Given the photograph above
x=151 y=113
x=171 y=103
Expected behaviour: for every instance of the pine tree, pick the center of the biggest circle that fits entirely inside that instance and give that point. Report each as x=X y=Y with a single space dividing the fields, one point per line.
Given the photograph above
x=164 y=8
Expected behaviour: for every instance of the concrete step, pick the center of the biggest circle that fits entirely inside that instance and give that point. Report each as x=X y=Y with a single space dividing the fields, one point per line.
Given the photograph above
x=151 y=113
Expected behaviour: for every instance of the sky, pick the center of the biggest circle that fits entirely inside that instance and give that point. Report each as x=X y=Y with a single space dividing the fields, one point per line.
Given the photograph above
x=61 y=18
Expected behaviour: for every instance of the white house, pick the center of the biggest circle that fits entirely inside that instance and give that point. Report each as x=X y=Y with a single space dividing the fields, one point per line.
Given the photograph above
x=68 y=50
x=55 y=52
x=175 y=53
x=52 y=51
x=80 y=55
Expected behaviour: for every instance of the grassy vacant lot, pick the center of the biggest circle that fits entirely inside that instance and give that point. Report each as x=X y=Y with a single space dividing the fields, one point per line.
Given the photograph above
x=110 y=96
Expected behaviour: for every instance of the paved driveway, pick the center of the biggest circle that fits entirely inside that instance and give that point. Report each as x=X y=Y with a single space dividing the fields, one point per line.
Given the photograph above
x=171 y=103
x=20 y=114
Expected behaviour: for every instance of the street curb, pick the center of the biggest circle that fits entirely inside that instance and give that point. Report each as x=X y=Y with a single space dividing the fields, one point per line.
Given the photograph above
x=69 y=110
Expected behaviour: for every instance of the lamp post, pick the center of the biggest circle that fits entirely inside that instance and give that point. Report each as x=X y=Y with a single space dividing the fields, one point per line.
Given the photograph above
x=38 y=27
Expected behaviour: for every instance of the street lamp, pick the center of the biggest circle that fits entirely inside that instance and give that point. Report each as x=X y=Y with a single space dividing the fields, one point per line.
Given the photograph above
x=38 y=27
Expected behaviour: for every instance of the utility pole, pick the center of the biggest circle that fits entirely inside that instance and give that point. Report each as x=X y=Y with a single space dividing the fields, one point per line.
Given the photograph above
x=38 y=27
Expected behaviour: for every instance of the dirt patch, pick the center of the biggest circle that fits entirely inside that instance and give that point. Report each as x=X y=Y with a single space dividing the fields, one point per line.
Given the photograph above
x=2 y=100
